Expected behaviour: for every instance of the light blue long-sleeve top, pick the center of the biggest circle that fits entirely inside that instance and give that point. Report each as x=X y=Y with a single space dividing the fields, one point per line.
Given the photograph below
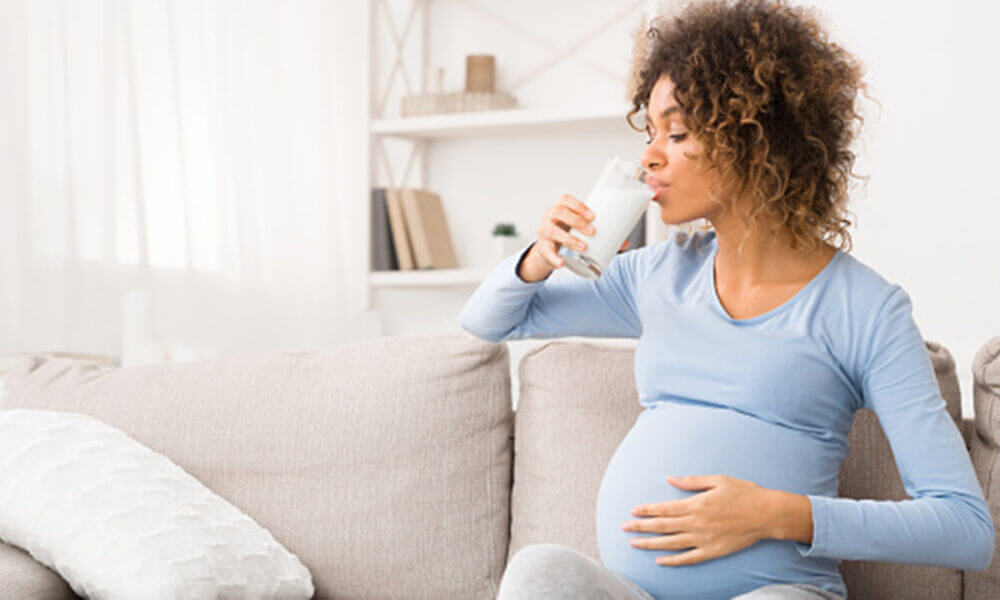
x=769 y=399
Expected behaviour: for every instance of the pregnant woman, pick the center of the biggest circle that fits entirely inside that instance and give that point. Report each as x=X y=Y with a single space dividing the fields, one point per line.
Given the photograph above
x=758 y=339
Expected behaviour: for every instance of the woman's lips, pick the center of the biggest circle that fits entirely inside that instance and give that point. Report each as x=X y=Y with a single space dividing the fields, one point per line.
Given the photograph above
x=655 y=186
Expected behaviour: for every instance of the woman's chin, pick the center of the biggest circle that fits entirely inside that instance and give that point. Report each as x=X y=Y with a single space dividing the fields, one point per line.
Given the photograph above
x=670 y=217
x=665 y=215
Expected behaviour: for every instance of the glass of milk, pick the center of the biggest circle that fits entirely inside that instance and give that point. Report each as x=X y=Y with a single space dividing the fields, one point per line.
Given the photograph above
x=618 y=200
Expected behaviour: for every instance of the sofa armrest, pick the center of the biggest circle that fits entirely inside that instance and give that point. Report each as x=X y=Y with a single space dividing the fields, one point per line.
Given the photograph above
x=22 y=577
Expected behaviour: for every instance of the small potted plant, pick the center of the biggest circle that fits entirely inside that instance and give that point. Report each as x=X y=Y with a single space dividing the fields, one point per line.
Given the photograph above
x=506 y=240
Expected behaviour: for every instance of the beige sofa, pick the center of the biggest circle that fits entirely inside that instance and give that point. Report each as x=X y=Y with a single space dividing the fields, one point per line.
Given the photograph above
x=395 y=467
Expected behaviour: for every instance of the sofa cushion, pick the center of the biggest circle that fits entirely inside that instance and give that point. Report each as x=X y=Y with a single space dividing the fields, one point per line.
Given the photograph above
x=985 y=449
x=118 y=520
x=570 y=419
x=24 y=578
x=384 y=465
x=568 y=423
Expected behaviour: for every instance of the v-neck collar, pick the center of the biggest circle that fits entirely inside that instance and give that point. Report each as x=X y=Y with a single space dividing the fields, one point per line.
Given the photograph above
x=774 y=311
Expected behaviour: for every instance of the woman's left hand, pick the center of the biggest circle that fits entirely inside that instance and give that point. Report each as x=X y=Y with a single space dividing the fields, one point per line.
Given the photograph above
x=731 y=515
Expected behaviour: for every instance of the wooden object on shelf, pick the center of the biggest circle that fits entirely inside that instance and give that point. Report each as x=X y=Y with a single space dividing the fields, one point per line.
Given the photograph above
x=476 y=101
x=455 y=102
x=431 y=101
x=422 y=104
x=479 y=93
x=397 y=222
x=428 y=230
x=479 y=72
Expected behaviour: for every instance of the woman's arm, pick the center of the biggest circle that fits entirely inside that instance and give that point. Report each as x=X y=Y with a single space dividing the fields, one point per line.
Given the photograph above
x=947 y=522
x=506 y=307
x=791 y=517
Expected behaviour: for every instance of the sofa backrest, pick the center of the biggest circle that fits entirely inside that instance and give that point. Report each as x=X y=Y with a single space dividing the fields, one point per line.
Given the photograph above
x=984 y=443
x=384 y=465
x=571 y=417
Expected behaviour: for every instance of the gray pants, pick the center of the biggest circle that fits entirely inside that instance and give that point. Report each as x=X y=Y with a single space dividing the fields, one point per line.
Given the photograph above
x=558 y=572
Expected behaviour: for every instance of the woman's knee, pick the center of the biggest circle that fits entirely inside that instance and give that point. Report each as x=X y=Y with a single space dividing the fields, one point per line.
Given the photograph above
x=546 y=559
x=548 y=570
x=547 y=552
x=787 y=591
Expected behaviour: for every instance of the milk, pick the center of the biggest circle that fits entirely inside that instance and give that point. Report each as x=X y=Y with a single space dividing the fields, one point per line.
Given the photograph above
x=616 y=211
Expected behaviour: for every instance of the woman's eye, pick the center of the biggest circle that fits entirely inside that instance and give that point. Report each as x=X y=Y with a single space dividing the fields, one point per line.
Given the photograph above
x=677 y=137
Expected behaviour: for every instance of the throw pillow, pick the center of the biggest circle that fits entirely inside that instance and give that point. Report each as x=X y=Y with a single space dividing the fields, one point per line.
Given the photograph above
x=118 y=520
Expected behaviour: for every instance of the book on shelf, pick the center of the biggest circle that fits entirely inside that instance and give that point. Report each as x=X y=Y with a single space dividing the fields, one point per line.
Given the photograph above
x=397 y=229
x=428 y=230
x=383 y=252
x=409 y=231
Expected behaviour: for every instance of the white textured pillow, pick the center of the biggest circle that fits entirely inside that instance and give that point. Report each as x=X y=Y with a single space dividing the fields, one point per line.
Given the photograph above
x=120 y=521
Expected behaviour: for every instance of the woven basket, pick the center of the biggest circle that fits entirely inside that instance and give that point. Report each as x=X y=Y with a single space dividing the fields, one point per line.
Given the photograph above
x=455 y=102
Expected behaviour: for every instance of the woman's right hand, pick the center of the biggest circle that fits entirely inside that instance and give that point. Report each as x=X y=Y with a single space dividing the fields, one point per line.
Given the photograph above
x=568 y=213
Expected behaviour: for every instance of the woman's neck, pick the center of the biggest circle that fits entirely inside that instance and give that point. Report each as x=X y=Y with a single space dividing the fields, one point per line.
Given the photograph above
x=765 y=259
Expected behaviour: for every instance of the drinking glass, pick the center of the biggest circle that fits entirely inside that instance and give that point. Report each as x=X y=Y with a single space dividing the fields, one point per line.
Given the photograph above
x=618 y=200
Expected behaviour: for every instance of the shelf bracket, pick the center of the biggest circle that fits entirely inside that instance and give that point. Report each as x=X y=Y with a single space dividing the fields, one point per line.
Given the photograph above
x=565 y=52
x=399 y=41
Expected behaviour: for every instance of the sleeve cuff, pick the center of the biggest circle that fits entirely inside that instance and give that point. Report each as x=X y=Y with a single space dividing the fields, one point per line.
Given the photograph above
x=517 y=267
x=820 y=527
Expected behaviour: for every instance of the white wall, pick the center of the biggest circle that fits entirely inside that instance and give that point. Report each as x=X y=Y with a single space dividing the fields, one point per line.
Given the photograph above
x=929 y=218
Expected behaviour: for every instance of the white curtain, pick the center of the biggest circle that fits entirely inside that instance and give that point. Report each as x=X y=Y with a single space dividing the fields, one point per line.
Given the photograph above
x=191 y=149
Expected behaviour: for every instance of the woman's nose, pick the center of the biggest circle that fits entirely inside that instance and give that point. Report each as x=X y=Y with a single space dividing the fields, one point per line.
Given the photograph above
x=651 y=159
x=650 y=162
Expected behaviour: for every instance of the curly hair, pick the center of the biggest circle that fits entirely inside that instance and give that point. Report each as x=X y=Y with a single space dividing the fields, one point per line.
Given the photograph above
x=772 y=102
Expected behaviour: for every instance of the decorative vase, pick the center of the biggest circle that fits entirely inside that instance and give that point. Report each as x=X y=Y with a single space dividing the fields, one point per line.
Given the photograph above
x=505 y=245
x=480 y=72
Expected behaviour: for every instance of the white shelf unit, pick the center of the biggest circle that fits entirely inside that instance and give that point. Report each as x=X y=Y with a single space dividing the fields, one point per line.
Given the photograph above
x=419 y=130
x=515 y=120
x=467 y=125
x=427 y=277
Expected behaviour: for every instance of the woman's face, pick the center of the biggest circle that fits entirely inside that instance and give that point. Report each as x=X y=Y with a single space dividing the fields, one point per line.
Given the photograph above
x=666 y=158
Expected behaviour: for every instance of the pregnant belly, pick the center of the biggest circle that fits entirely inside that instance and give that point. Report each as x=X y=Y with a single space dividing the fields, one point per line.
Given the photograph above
x=679 y=438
